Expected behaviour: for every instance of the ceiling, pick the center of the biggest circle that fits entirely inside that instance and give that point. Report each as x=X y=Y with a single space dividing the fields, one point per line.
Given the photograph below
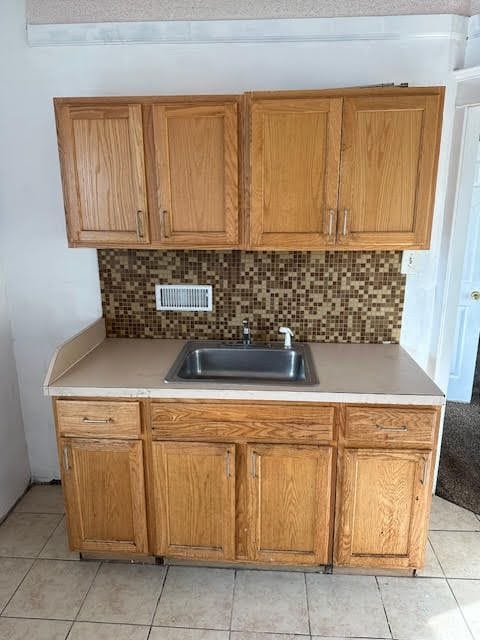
x=75 y=11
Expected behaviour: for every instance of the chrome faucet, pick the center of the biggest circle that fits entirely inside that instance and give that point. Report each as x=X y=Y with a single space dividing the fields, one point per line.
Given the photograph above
x=246 y=333
x=288 y=336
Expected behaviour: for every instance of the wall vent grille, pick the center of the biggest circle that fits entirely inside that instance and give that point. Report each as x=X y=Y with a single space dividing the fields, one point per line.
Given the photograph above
x=184 y=297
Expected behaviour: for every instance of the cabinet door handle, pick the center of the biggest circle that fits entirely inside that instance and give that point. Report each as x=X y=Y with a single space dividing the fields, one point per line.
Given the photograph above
x=423 y=479
x=381 y=427
x=254 y=464
x=139 y=224
x=164 y=223
x=66 y=462
x=345 y=222
x=331 y=215
x=99 y=421
x=227 y=463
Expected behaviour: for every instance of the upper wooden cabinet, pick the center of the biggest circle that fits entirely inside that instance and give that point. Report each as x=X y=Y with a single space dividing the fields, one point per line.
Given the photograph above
x=195 y=161
x=354 y=170
x=344 y=169
x=295 y=158
x=103 y=171
x=388 y=170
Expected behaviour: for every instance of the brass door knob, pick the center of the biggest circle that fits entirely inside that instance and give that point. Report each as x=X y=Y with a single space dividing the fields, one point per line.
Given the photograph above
x=475 y=295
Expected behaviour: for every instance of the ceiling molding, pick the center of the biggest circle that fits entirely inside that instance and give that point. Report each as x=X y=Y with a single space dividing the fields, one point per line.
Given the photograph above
x=432 y=27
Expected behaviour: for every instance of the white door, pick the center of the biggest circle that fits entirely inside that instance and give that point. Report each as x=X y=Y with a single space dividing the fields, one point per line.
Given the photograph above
x=468 y=312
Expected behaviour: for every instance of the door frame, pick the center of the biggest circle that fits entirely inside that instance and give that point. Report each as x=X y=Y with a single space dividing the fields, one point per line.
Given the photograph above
x=469 y=117
x=457 y=195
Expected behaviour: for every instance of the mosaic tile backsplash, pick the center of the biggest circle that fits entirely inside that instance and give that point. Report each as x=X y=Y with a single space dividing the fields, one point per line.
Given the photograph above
x=324 y=296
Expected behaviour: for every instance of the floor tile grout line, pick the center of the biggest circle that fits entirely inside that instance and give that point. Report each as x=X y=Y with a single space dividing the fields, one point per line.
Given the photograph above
x=100 y=564
x=167 y=570
x=118 y=624
x=436 y=557
x=459 y=607
x=72 y=622
x=454 y=530
x=51 y=535
x=19 y=585
x=30 y=618
x=235 y=575
x=169 y=626
x=308 y=604
x=38 y=558
x=34 y=513
x=384 y=607
x=233 y=602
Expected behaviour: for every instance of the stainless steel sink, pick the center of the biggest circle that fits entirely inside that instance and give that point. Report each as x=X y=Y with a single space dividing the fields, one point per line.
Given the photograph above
x=216 y=361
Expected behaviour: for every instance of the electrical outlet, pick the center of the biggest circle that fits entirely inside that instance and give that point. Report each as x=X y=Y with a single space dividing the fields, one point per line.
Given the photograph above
x=413 y=262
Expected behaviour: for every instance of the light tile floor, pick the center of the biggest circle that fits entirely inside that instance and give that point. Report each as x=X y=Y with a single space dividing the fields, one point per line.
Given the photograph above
x=47 y=594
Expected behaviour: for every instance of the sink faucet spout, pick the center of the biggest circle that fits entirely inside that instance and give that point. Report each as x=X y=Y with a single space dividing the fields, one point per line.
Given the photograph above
x=246 y=332
x=288 y=336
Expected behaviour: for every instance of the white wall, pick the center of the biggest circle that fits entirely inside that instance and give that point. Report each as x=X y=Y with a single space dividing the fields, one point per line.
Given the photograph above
x=54 y=291
x=14 y=468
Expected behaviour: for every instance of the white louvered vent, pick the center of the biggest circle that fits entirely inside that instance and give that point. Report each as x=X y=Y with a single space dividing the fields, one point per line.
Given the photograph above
x=184 y=297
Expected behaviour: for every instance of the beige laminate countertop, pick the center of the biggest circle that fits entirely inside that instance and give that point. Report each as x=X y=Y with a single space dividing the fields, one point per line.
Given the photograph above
x=366 y=373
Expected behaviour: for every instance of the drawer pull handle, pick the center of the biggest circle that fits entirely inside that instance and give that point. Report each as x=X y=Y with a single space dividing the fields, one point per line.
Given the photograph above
x=254 y=464
x=100 y=421
x=383 y=428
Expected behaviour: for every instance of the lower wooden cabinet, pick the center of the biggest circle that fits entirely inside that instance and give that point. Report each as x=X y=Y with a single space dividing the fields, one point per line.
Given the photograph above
x=290 y=490
x=249 y=482
x=382 y=508
x=105 y=494
x=194 y=488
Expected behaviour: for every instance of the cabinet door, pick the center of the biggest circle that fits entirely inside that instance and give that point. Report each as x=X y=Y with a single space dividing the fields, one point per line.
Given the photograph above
x=382 y=508
x=105 y=493
x=295 y=157
x=103 y=172
x=196 y=165
x=290 y=491
x=195 y=499
x=388 y=171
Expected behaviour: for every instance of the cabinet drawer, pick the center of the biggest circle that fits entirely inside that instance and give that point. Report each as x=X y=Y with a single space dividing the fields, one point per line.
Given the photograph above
x=384 y=425
x=98 y=419
x=242 y=421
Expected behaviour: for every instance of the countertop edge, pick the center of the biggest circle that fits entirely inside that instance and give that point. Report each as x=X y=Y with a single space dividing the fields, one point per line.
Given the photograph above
x=245 y=394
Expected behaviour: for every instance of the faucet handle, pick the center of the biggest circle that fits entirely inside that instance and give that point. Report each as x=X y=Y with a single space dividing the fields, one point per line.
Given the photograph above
x=288 y=336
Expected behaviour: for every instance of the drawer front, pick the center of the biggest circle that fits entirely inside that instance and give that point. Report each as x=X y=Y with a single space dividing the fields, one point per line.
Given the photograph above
x=242 y=421
x=89 y=418
x=385 y=425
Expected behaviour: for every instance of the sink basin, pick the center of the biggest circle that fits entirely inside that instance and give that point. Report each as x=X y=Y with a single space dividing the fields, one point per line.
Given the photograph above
x=216 y=361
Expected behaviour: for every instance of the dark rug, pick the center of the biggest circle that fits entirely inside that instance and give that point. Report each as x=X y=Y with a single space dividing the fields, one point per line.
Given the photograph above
x=459 y=471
